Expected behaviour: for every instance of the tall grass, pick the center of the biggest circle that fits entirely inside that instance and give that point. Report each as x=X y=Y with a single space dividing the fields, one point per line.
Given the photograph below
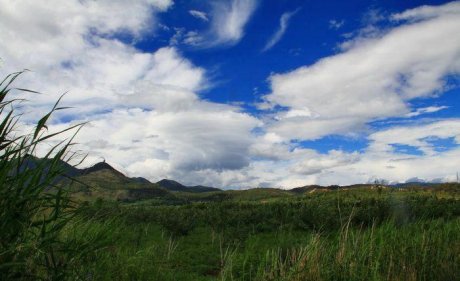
x=419 y=251
x=422 y=248
x=425 y=250
x=33 y=209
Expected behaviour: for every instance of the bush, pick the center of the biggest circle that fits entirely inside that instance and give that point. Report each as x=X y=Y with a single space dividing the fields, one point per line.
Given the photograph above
x=33 y=209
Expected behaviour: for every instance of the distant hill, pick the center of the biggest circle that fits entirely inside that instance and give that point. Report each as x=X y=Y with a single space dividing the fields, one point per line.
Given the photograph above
x=32 y=162
x=307 y=188
x=175 y=186
x=104 y=181
x=415 y=184
x=99 y=167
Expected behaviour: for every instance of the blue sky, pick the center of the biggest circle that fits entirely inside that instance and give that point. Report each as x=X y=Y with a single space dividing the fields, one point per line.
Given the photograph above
x=247 y=93
x=310 y=36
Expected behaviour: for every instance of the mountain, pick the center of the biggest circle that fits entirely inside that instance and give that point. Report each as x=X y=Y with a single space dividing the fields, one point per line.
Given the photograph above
x=415 y=184
x=175 y=186
x=99 y=167
x=202 y=188
x=141 y=180
x=171 y=185
x=103 y=181
x=32 y=162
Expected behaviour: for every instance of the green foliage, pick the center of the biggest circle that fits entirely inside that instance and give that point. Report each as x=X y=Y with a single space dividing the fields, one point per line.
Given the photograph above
x=351 y=235
x=33 y=210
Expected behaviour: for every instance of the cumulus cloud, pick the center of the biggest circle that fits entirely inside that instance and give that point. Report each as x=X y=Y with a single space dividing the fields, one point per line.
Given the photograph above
x=373 y=78
x=415 y=136
x=201 y=137
x=380 y=159
x=147 y=118
x=284 y=164
x=144 y=114
x=318 y=164
x=276 y=37
x=65 y=46
x=426 y=12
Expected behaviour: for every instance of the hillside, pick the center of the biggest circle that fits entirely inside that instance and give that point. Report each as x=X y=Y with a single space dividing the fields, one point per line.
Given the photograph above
x=172 y=185
x=104 y=181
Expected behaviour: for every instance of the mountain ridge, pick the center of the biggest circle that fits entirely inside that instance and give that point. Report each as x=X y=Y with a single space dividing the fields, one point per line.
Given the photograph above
x=102 y=180
x=173 y=185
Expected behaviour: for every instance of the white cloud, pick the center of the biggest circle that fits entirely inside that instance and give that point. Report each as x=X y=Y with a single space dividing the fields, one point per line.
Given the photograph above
x=373 y=16
x=285 y=165
x=229 y=19
x=199 y=15
x=182 y=36
x=51 y=23
x=426 y=12
x=276 y=37
x=203 y=136
x=320 y=163
x=336 y=24
x=177 y=37
x=147 y=119
x=374 y=78
x=63 y=44
x=424 y=110
x=380 y=160
x=193 y=38
x=144 y=115
x=416 y=136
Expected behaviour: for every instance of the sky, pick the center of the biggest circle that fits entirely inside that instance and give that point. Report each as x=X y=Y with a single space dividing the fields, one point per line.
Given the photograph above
x=246 y=93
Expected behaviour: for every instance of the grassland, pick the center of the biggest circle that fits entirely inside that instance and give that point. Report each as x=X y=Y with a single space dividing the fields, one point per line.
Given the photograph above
x=358 y=234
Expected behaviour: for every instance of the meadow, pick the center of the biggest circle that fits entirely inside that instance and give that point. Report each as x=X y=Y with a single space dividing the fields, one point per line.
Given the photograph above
x=340 y=235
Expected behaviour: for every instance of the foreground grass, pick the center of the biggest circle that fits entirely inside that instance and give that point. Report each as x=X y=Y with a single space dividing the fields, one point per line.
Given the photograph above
x=33 y=210
x=426 y=250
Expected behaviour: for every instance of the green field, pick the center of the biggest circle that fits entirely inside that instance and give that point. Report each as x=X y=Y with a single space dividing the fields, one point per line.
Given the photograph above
x=339 y=235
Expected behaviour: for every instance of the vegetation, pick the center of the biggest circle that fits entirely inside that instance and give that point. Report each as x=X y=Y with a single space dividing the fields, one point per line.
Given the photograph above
x=33 y=210
x=340 y=235
x=101 y=225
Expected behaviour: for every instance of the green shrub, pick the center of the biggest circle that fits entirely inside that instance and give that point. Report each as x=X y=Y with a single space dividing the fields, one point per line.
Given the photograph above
x=33 y=209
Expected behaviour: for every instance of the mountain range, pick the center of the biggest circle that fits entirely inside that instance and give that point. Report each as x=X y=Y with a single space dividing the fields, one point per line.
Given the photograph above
x=104 y=181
